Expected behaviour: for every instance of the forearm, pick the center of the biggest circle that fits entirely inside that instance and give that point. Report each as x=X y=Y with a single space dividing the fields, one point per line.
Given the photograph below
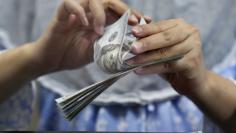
x=218 y=101
x=17 y=67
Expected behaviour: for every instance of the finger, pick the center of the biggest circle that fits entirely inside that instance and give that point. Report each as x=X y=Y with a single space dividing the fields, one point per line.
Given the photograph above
x=71 y=7
x=135 y=14
x=163 y=39
x=165 y=68
x=148 y=19
x=185 y=65
x=179 y=49
x=156 y=69
x=117 y=6
x=98 y=13
x=71 y=22
x=153 y=28
x=120 y=8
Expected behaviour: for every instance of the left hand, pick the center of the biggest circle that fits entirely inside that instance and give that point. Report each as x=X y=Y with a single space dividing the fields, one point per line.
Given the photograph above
x=165 y=39
x=68 y=41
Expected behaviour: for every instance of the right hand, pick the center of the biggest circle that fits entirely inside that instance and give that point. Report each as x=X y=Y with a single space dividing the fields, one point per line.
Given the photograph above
x=168 y=38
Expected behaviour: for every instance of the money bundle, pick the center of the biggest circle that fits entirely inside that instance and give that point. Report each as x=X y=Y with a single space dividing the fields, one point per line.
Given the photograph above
x=110 y=53
x=111 y=50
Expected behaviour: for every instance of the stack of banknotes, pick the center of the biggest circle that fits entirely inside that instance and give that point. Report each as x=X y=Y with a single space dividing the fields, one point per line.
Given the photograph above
x=110 y=53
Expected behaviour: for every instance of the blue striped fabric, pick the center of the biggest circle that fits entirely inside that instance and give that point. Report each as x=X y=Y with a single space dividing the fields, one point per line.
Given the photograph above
x=176 y=115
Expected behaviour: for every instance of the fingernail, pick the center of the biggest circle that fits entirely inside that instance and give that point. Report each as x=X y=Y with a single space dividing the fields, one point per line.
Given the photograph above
x=134 y=18
x=139 y=71
x=137 y=47
x=130 y=62
x=148 y=18
x=137 y=30
x=99 y=30
x=84 y=21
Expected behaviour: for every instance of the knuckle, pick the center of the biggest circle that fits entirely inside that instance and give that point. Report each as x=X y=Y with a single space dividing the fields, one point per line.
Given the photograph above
x=195 y=30
x=163 y=52
x=167 y=36
x=144 y=44
x=198 y=44
x=143 y=28
x=180 y=37
x=107 y=3
x=192 y=28
x=187 y=31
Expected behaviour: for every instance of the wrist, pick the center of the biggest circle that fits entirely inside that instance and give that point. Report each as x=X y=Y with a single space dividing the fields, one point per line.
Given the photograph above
x=202 y=88
x=36 y=64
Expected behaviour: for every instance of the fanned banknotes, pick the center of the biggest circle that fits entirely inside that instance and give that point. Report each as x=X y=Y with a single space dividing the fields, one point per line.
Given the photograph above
x=110 y=53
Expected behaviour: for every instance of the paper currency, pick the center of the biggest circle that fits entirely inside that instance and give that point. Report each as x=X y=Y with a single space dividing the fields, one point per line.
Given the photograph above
x=113 y=48
x=110 y=48
x=110 y=53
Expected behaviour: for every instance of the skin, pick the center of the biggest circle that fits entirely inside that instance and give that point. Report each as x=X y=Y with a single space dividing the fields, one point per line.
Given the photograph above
x=67 y=43
x=213 y=94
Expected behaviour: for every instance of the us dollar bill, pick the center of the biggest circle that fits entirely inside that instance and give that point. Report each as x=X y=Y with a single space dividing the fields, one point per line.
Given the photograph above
x=110 y=53
x=113 y=48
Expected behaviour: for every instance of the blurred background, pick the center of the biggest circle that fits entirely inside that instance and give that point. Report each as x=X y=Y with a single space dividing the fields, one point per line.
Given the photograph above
x=136 y=104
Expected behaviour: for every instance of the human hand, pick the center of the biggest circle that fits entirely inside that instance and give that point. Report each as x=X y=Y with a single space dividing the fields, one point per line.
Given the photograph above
x=67 y=43
x=165 y=39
